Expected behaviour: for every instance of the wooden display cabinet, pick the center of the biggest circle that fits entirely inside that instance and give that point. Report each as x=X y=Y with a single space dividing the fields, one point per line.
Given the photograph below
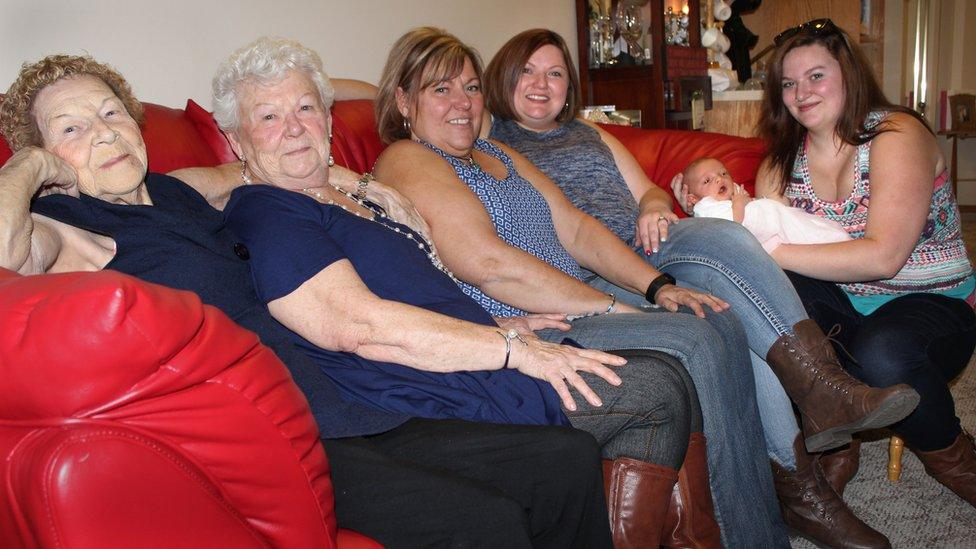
x=640 y=87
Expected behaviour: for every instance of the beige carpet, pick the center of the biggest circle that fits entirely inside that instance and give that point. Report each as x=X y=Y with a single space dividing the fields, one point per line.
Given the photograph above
x=916 y=512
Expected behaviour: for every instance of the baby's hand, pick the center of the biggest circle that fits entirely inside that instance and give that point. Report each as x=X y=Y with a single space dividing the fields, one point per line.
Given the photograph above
x=740 y=194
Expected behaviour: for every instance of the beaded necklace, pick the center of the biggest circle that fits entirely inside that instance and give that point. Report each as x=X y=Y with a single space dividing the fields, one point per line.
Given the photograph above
x=378 y=216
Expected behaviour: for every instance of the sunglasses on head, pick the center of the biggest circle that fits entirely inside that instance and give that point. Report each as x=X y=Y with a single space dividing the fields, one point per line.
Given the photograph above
x=816 y=27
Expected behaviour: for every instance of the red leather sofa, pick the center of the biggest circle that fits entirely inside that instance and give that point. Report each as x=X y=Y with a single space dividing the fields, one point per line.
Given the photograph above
x=132 y=415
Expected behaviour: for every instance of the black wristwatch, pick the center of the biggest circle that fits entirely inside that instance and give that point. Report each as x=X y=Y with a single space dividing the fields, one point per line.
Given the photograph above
x=662 y=279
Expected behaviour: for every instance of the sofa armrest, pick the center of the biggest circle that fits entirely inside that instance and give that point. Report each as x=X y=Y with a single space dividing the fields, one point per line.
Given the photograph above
x=92 y=486
x=133 y=358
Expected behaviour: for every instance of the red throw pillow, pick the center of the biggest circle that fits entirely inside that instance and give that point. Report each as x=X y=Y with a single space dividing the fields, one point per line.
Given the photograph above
x=207 y=126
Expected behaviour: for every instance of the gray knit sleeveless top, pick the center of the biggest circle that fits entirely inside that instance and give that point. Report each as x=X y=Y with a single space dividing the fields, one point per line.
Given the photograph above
x=574 y=156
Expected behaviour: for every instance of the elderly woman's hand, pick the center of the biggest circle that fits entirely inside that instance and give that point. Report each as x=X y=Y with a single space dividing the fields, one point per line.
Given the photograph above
x=526 y=325
x=671 y=297
x=398 y=208
x=50 y=174
x=558 y=365
x=680 y=191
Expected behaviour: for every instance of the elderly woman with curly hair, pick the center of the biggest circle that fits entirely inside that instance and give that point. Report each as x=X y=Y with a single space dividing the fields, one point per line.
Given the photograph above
x=403 y=479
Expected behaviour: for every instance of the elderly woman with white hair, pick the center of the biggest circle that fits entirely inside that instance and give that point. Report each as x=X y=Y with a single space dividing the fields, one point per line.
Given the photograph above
x=399 y=478
x=369 y=300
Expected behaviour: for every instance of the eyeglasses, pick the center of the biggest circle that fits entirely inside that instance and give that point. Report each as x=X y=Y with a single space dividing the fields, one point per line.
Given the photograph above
x=816 y=27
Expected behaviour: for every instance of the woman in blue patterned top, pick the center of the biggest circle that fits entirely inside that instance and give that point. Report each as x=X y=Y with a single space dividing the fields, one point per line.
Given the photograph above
x=518 y=246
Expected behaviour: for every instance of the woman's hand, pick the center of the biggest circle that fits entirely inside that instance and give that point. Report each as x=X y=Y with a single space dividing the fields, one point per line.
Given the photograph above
x=680 y=191
x=399 y=208
x=558 y=365
x=51 y=174
x=528 y=324
x=652 y=226
x=671 y=297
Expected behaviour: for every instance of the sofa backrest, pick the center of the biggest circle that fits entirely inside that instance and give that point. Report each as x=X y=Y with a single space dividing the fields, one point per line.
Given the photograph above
x=181 y=138
x=188 y=137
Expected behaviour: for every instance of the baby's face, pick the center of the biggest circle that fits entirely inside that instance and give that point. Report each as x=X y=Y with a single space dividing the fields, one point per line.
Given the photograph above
x=710 y=178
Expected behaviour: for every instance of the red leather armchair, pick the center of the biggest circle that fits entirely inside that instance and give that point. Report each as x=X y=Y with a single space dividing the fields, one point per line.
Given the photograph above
x=131 y=415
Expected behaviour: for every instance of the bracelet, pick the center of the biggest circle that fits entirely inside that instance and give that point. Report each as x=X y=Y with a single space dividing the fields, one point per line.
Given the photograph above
x=509 y=336
x=655 y=286
x=610 y=308
x=361 y=185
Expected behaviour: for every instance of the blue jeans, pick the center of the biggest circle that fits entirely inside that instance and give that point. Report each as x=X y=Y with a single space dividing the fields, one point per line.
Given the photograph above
x=924 y=340
x=715 y=355
x=724 y=259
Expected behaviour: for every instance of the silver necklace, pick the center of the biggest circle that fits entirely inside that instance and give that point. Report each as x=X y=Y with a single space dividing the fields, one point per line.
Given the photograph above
x=378 y=216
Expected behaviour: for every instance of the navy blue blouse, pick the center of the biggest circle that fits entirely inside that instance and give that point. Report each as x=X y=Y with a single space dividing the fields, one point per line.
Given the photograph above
x=292 y=237
x=182 y=242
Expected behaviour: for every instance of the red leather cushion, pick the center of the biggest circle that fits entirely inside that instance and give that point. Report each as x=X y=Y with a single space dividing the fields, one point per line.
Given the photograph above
x=106 y=349
x=207 y=126
x=355 y=142
x=172 y=140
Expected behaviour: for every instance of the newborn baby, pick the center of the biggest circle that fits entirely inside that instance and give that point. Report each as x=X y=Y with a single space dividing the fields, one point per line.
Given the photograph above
x=712 y=193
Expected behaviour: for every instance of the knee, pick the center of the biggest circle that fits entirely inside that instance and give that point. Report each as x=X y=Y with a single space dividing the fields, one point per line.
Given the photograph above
x=664 y=395
x=733 y=236
x=494 y=521
x=886 y=357
x=574 y=450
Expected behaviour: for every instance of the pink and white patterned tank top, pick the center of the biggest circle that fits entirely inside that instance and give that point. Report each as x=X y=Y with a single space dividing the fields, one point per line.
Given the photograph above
x=938 y=264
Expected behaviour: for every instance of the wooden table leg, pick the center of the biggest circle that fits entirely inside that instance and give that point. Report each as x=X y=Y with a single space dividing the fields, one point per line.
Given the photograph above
x=895 y=447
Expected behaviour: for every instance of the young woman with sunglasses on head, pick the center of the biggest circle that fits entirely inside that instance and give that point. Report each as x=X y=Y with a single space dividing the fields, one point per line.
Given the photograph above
x=902 y=290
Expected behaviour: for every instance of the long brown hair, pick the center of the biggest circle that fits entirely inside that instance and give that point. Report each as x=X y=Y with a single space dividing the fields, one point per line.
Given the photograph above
x=784 y=135
x=505 y=69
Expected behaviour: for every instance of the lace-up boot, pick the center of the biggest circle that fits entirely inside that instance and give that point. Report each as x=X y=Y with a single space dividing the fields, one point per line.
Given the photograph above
x=954 y=467
x=832 y=403
x=812 y=508
x=839 y=466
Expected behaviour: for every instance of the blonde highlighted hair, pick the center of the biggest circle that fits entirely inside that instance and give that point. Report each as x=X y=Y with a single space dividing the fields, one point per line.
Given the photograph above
x=420 y=58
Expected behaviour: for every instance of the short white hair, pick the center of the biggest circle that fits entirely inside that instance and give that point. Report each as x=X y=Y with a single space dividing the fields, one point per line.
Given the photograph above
x=264 y=60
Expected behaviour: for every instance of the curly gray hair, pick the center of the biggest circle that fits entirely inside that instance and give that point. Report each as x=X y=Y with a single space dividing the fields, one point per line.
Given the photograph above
x=264 y=60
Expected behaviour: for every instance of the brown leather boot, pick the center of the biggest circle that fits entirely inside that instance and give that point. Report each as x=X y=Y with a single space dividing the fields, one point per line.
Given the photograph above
x=839 y=466
x=954 y=467
x=690 y=521
x=812 y=508
x=637 y=498
x=832 y=403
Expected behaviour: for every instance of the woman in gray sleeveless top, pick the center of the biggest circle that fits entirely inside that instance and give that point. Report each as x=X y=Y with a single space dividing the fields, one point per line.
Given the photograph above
x=533 y=92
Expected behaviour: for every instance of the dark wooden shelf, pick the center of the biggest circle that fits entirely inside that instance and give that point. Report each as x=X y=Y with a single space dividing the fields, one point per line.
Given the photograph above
x=638 y=87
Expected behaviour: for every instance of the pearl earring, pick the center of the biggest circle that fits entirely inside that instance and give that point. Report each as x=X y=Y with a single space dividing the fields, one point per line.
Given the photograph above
x=244 y=177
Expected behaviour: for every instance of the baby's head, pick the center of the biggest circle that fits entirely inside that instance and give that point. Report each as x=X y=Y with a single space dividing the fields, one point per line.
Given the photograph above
x=707 y=177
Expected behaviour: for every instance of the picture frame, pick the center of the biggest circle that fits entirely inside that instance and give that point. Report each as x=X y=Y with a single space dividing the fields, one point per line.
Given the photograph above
x=962 y=108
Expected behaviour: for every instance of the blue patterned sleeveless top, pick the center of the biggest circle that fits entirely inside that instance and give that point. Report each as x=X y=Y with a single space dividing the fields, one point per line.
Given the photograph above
x=938 y=264
x=521 y=217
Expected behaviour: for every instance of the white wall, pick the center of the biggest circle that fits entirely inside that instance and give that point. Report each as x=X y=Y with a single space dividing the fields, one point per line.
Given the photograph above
x=169 y=49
